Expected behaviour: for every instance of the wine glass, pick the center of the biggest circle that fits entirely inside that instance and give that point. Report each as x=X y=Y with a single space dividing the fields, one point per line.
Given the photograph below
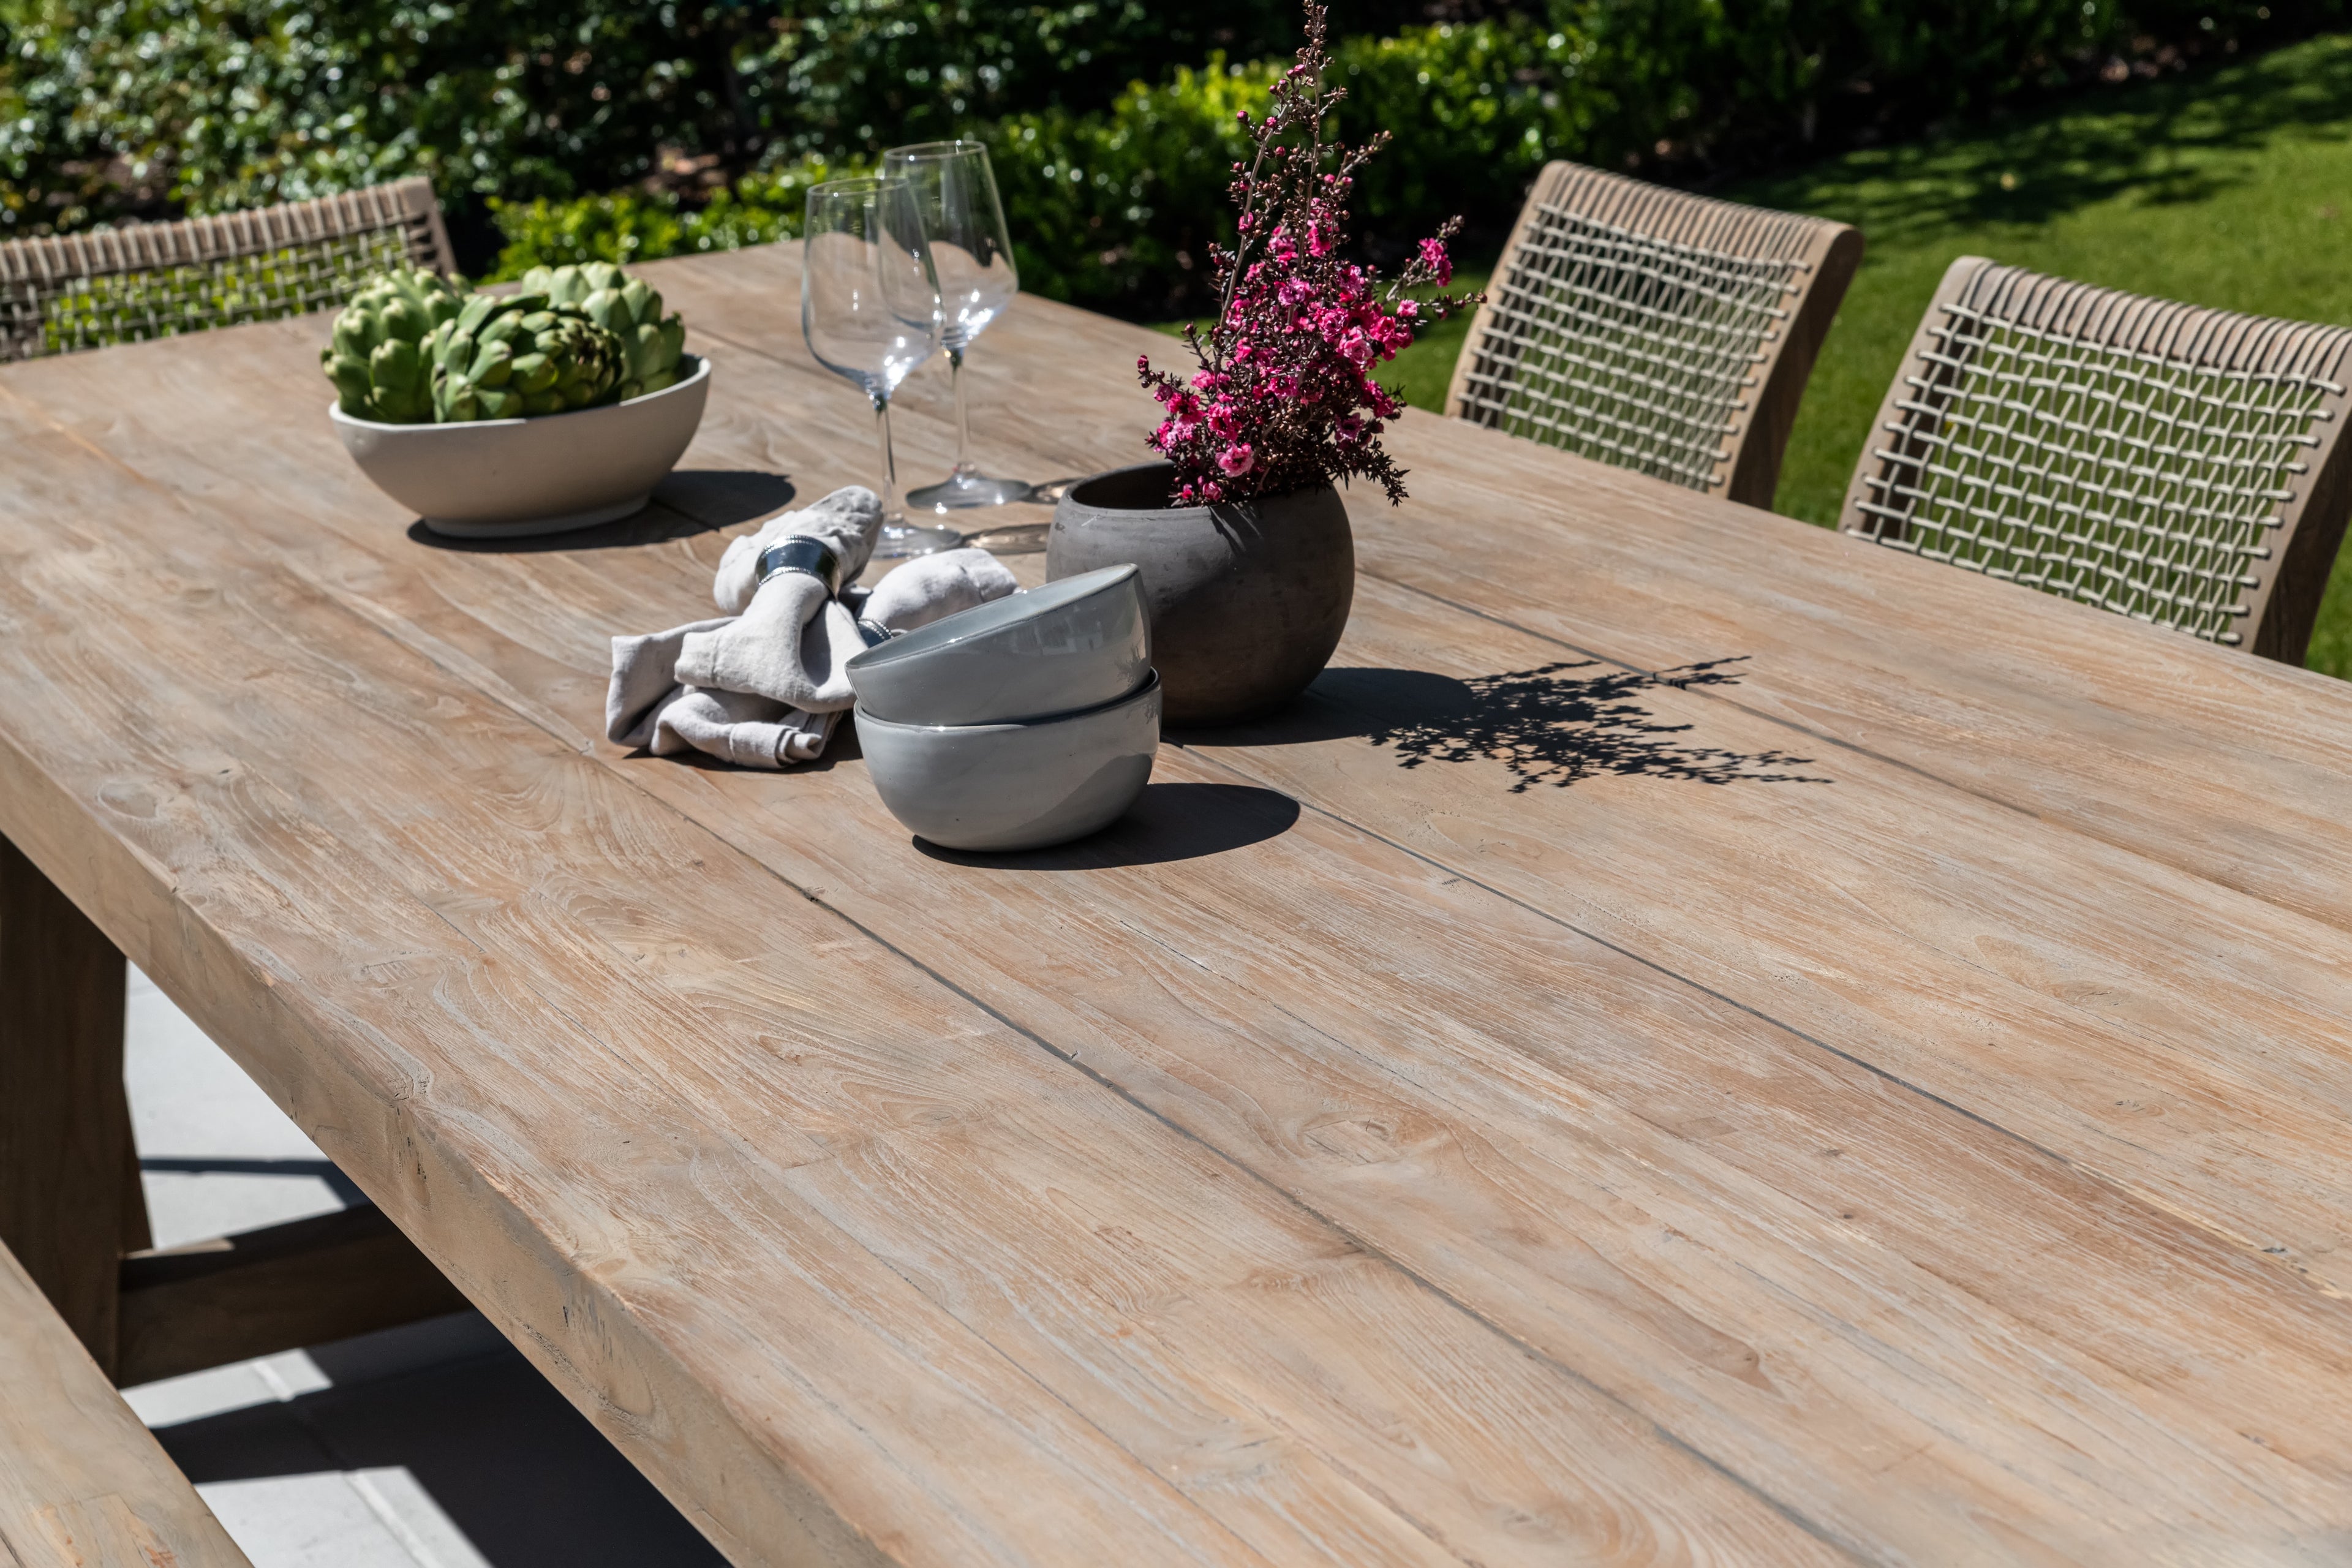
x=955 y=188
x=871 y=310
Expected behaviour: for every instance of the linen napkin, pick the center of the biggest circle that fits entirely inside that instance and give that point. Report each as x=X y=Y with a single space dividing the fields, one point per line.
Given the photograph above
x=766 y=688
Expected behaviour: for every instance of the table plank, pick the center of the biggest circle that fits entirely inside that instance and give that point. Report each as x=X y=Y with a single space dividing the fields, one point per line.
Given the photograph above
x=484 y=971
x=2185 y=1118
x=2237 y=769
x=1410 y=1064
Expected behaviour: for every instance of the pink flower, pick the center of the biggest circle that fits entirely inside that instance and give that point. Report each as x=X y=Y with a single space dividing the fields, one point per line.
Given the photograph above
x=1283 y=392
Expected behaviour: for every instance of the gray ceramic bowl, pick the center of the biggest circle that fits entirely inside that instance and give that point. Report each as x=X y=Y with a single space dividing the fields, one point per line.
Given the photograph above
x=503 y=478
x=1079 y=643
x=1015 y=786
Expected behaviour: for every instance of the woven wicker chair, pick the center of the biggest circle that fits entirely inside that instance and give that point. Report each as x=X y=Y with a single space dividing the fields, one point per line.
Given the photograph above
x=2167 y=462
x=1653 y=330
x=149 y=280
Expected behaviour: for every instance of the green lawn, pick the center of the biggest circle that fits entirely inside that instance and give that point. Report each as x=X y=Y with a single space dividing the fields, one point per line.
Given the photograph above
x=2232 y=187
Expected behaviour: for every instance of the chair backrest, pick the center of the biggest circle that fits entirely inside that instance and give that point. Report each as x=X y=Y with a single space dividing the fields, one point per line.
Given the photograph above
x=151 y=279
x=2168 y=462
x=1654 y=329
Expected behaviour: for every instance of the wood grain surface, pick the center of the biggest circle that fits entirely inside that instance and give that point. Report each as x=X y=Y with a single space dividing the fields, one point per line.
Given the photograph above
x=1699 y=1040
x=82 y=1483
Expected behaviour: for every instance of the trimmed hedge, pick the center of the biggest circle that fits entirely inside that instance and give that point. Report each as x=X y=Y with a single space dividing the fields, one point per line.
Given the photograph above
x=1114 y=208
x=112 y=109
x=115 y=109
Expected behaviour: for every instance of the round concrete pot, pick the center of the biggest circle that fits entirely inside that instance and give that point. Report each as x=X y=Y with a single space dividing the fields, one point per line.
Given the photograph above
x=505 y=478
x=1248 y=600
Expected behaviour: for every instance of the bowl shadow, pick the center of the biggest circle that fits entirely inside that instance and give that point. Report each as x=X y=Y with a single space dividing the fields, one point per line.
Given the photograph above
x=1168 y=822
x=690 y=501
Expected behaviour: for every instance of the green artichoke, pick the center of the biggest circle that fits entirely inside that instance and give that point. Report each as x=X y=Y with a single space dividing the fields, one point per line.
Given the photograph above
x=504 y=357
x=630 y=309
x=377 y=357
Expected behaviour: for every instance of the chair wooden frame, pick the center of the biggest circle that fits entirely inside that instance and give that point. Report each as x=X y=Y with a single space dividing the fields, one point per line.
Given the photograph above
x=1654 y=329
x=2173 y=463
x=147 y=280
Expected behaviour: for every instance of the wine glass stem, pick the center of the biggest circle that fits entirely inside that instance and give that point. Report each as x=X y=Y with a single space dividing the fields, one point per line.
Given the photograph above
x=963 y=422
x=893 y=509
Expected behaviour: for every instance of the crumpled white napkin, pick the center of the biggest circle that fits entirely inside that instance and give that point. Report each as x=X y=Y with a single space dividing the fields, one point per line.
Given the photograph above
x=849 y=520
x=765 y=689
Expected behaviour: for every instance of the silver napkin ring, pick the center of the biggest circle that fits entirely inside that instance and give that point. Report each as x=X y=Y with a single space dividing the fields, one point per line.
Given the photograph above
x=875 y=633
x=801 y=553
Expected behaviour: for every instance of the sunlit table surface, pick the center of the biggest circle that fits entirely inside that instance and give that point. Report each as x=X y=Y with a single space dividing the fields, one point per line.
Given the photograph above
x=1699 y=1039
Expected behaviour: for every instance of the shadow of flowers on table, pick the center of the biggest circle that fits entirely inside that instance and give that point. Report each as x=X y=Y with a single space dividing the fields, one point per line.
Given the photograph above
x=1557 y=724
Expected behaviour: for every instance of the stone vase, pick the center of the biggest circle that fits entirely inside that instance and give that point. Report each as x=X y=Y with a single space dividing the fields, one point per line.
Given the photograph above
x=1247 y=599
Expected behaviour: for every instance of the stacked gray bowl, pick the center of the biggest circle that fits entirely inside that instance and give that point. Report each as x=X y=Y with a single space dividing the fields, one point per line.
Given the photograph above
x=1030 y=720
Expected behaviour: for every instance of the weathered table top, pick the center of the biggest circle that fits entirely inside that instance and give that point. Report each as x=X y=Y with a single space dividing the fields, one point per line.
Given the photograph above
x=1700 y=1040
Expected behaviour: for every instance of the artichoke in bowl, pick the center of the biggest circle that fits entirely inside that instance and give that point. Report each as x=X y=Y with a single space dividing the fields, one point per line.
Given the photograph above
x=505 y=357
x=377 y=357
x=630 y=309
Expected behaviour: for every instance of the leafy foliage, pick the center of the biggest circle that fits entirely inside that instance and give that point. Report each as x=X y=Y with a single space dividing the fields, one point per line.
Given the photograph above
x=639 y=226
x=1112 y=120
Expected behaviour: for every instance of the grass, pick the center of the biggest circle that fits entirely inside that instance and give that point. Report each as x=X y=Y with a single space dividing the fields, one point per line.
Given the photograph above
x=2232 y=187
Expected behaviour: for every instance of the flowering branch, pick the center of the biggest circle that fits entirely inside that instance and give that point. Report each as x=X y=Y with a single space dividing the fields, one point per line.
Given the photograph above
x=1284 y=397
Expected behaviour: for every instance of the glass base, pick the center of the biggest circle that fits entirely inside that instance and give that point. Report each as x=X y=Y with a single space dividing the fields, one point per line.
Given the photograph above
x=900 y=539
x=967 y=488
x=1013 y=539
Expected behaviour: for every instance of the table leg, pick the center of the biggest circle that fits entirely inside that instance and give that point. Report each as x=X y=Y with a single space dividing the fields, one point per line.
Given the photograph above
x=70 y=1201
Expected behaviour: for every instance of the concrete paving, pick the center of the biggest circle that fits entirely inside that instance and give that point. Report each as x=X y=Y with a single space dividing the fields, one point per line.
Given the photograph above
x=435 y=1446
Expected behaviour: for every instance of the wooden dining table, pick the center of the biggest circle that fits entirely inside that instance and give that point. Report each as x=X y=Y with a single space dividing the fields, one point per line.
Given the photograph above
x=1698 y=1040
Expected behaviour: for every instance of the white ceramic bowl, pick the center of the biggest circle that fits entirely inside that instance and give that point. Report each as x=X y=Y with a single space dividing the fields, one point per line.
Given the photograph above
x=1079 y=643
x=499 y=478
x=1015 y=786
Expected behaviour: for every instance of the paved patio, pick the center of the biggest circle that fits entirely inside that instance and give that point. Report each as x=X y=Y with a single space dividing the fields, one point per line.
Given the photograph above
x=434 y=1445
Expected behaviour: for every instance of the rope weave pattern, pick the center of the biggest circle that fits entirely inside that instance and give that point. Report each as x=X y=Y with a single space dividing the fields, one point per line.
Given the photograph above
x=1634 y=348
x=153 y=280
x=2131 y=455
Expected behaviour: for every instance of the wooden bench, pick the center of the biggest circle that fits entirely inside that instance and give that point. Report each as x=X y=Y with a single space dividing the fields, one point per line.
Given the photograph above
x=70 y=1206
x=82 y=1483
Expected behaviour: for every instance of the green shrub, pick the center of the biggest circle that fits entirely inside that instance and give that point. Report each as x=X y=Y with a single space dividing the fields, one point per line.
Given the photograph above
x=114 y=109
x=1117 y=210
x=125 y=107
x=639 y=226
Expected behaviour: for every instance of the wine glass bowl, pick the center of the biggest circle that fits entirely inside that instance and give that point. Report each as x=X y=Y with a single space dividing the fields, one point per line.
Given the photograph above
x=871 y=310
x=972 y=255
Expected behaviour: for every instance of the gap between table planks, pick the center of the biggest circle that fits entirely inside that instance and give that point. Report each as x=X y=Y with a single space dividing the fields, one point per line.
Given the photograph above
x=698 y=586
